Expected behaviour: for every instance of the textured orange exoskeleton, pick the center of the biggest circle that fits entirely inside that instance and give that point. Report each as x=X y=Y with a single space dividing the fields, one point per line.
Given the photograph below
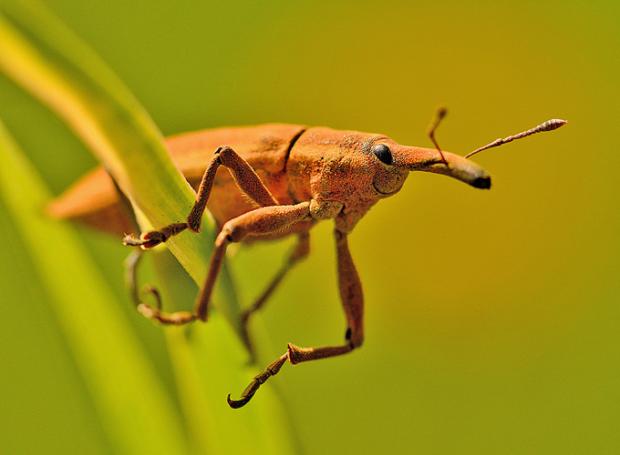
x=272 y=181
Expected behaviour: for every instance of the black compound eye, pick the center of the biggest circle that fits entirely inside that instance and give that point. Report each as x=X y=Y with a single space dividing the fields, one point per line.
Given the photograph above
x=383 y=152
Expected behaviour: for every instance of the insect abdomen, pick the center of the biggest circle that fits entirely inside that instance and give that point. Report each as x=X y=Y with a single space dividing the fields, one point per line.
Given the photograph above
x=93 y=200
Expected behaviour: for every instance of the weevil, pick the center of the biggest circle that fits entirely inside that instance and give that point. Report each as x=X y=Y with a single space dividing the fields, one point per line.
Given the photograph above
x=272 y=181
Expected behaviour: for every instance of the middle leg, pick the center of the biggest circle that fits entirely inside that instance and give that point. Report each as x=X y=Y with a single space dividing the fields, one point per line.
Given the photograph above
x=261 y=221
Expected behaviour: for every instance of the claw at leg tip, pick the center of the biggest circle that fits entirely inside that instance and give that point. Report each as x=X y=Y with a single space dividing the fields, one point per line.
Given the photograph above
x=129 y=240
x=233 y=403
x=236 y=404
x=132 y=240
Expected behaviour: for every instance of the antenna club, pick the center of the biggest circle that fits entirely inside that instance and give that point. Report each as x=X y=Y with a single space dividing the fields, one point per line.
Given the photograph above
x=549 y=125
x=554 y=123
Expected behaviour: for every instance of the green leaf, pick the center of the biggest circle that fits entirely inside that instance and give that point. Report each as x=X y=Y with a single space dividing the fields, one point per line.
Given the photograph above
x=51 y=63
x=134 y=408
x=209 y=364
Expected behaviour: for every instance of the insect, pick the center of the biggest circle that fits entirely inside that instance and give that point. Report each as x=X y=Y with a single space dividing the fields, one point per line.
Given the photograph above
x=271 y=181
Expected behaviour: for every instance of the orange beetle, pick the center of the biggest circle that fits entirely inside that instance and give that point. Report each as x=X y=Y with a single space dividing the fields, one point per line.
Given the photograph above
x=270 y=181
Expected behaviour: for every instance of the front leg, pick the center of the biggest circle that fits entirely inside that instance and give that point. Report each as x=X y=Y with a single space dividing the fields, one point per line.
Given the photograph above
x=353 y=306
x=246 y=178
x=261 y=221
x=248 y=182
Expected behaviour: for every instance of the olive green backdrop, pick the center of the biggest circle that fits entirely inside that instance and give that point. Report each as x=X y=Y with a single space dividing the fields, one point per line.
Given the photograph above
x=492 y=318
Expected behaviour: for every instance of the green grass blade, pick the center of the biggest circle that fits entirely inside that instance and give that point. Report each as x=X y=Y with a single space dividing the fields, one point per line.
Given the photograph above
x=52 y=64
x=209 y=364
x=55 y=66
x=133 y=405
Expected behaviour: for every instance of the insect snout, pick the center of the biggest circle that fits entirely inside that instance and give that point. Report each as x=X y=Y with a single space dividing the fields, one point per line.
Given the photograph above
x=483 y=183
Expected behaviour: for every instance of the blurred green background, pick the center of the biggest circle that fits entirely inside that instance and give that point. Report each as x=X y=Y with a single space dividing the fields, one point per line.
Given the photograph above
x=492 y=317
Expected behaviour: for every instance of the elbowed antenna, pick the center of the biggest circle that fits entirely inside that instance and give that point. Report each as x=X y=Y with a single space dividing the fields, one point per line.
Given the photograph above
x=439 y=116
x=549 y=125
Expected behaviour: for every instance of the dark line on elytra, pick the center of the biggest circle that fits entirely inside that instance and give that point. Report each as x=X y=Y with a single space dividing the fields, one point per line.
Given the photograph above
x=286 y=157
x=290 y=147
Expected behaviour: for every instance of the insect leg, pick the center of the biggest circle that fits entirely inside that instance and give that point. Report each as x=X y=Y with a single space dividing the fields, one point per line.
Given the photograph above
x=353 y=305
x=301 y=251
x=351 y=293
x=264 y=220
x=135 y=257
x=131 y=277
x=260 y=221
x=246 y=178
x=154 y=313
